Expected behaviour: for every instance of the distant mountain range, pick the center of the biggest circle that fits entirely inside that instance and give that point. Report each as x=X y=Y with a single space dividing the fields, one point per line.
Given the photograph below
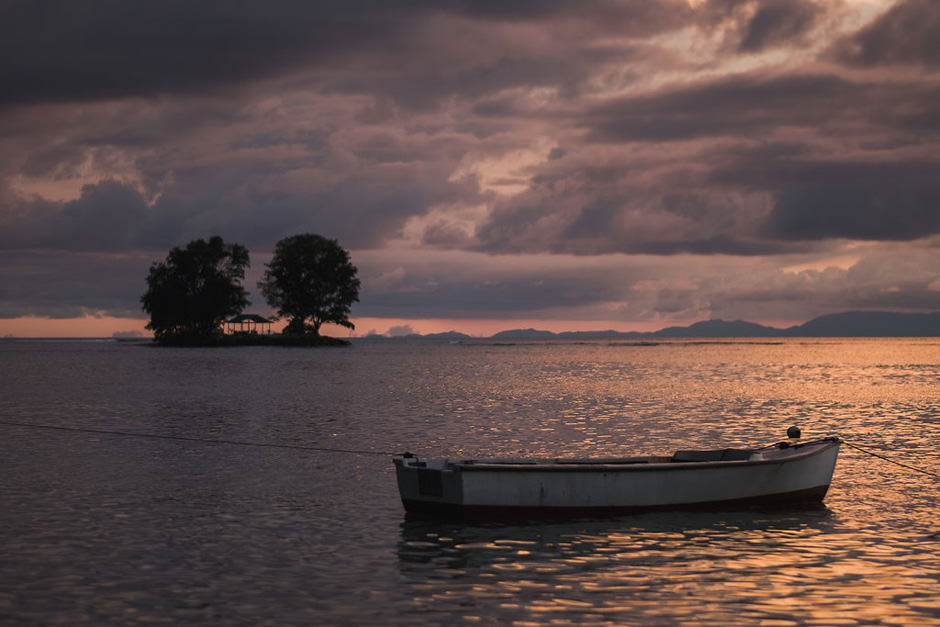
x=848 y=324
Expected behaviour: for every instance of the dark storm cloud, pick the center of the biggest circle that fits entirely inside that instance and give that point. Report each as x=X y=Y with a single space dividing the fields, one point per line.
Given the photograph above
x=778 y=22
x=581 y=211
x=756 y=105
x=598 y=227
x=568 y=67
x=362 y=210
x=385 y=148
x=908 y=33
x=551 y=129
x=743 y=105
x=776 y=167
x=67 y=285
x=365 y=213
x=866 y=208
x=629 y=17
x=105 y=217
x=757 y=25
x=60 y=161
x=816 y=200
x=63 y=50
x=506 y=294
x=874 y=195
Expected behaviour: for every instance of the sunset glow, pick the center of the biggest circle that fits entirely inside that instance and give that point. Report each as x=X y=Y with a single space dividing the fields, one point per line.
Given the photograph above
x=624 y=165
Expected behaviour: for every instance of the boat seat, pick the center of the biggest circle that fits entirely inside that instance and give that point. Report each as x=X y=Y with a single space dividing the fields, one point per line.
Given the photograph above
x=717 y=455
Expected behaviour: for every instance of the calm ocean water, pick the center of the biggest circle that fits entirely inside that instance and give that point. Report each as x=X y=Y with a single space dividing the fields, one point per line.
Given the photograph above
x=113 y=530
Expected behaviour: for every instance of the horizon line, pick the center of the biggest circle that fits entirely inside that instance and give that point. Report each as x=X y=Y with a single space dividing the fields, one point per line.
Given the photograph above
x=132 y=337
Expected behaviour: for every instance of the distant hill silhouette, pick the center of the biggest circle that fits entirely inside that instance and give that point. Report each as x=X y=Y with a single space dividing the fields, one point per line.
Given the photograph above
x=524 y=334
x=720 y=328
x=446 y=335
x=847 y=324
x=869 y=324
x=708 y=328
x=598 y=335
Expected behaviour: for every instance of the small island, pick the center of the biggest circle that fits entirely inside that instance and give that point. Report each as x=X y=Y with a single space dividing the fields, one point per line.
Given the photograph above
x=195 y=297
x=254 y=339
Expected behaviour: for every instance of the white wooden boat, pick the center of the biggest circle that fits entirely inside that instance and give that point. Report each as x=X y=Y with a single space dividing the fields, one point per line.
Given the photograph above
x=781 y=474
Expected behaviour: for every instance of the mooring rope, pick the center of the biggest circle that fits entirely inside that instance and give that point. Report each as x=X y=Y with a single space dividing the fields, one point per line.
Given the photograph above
x=893 y=461
x=155 y=436
x=328 y=449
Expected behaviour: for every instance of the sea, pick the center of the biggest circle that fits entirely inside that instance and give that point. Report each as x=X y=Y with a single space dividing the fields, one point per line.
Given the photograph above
x=255 y=485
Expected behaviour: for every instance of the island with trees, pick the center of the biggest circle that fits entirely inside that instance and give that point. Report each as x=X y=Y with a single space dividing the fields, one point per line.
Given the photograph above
x=310 y=281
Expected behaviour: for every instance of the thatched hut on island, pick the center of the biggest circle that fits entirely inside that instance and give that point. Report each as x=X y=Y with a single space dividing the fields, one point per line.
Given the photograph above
x=248 y=324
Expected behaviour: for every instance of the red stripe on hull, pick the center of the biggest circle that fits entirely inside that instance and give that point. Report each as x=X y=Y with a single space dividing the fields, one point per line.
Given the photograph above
x=808 y=496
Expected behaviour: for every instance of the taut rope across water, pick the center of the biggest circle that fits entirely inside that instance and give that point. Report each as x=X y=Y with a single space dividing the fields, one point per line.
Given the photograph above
x=300 y=447
x=154 y=436
x=893 y=461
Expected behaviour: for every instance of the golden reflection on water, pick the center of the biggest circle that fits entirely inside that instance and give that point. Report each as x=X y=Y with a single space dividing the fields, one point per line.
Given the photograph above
x=731 y=568
x=871 y=556
x=610 y=399
x=319 y=539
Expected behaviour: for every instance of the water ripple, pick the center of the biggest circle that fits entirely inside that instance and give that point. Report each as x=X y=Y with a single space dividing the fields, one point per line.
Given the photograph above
x=100 y=529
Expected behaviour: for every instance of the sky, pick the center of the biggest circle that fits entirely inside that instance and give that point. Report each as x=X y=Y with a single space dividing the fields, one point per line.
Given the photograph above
x=489 y=165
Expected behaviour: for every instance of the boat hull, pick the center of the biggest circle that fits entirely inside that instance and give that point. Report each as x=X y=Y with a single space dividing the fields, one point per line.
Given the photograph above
x=775 y=477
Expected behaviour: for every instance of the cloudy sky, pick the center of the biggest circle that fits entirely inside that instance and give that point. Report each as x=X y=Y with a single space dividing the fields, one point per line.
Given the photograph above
x=617 y=164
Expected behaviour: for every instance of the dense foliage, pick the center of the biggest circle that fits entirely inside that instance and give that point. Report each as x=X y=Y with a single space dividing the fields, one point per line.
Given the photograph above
x=196 y=289
x=310 y=278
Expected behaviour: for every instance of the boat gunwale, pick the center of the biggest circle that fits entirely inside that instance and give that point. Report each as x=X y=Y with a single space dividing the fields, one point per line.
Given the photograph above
x=816 y=447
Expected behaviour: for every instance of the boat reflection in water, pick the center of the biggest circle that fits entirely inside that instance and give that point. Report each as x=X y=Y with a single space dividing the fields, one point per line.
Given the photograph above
x=782 y=474
x=649 y=569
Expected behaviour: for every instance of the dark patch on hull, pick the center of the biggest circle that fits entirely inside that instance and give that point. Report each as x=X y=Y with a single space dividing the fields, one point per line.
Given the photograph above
x=428 y=509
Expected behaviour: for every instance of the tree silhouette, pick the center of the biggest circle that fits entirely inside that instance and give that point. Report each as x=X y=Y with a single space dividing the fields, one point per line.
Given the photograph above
x=310 y=278
x=197 y=288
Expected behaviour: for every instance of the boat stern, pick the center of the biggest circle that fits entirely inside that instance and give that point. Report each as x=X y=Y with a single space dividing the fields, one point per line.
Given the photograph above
x=428 y=486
